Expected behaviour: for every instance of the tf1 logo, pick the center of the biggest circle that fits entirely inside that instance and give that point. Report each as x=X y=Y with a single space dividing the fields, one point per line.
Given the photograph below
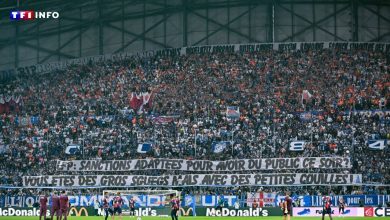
x=31 y=15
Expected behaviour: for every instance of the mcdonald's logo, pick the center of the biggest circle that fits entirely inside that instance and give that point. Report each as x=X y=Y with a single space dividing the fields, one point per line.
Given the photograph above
x=186 y=213
x=74 y=211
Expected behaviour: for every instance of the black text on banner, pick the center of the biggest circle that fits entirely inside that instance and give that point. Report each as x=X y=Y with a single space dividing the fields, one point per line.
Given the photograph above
x=205 y=165
x=275 y=179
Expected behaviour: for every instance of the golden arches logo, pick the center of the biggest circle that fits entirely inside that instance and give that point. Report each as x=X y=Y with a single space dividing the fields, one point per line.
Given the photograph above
x=186 y=213
x=78 y=213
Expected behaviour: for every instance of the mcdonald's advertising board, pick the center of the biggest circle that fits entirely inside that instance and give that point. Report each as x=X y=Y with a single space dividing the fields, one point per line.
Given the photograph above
x=21 y=212
x=186 y=211
x=79 y=211
x=244 y=211
x=190 y=211
x=158 y=211
x=13 y=211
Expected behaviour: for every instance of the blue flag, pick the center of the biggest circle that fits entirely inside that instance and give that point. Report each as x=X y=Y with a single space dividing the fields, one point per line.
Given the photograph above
x=72 y=149
x=144 y=148
x=218 y=147
x=377 y=144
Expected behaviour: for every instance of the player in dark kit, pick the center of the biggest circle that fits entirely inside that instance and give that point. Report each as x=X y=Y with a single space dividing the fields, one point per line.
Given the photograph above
x=326 y=207
x=118 y=202
x=43 y=206
x=255 y=204
x=55 y=205
x=64 y=203
x=287 y=207
x=341 y=206
x=175 y=204
x=132 y=207
x=106 y=206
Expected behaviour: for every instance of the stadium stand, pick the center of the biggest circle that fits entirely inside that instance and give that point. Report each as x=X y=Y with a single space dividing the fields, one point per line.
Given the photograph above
x=109 y=108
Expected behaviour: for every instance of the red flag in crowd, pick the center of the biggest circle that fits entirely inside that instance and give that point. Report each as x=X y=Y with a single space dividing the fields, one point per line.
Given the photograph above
x=141 y=101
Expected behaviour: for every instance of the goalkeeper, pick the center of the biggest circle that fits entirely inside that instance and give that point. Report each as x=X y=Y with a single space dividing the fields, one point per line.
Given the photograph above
x=287 y=207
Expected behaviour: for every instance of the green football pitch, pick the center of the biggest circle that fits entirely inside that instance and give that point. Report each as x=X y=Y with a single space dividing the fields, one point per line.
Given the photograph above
x=193 y=218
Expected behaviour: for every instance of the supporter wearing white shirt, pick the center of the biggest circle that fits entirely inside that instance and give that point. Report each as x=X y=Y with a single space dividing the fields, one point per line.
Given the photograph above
x=96 y=206
x=236 y=206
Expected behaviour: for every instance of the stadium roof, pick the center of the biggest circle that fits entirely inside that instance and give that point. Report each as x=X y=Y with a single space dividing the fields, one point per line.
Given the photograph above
x=93 y=27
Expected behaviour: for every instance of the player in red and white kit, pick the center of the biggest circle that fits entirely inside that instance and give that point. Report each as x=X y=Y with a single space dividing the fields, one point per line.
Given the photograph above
x=326 y=207
x=43 y=206
x=107 y=207
x=118 y=202
x=178 y=205
x=132 y=207
x=55 y=205
x=341 y=206
x=175 y=205
x=64 y=204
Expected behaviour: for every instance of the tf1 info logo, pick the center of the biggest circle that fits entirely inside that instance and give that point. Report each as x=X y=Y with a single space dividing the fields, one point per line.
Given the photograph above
x=31 y=15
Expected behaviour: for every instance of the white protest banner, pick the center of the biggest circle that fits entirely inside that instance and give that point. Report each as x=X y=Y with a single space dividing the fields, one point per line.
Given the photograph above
x=269 y=179
x=205 y=165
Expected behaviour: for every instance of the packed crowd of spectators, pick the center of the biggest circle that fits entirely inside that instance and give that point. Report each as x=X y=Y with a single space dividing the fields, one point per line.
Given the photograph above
x=283 y=96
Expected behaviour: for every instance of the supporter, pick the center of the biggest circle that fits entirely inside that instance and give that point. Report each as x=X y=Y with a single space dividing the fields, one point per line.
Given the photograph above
x=282 y=97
